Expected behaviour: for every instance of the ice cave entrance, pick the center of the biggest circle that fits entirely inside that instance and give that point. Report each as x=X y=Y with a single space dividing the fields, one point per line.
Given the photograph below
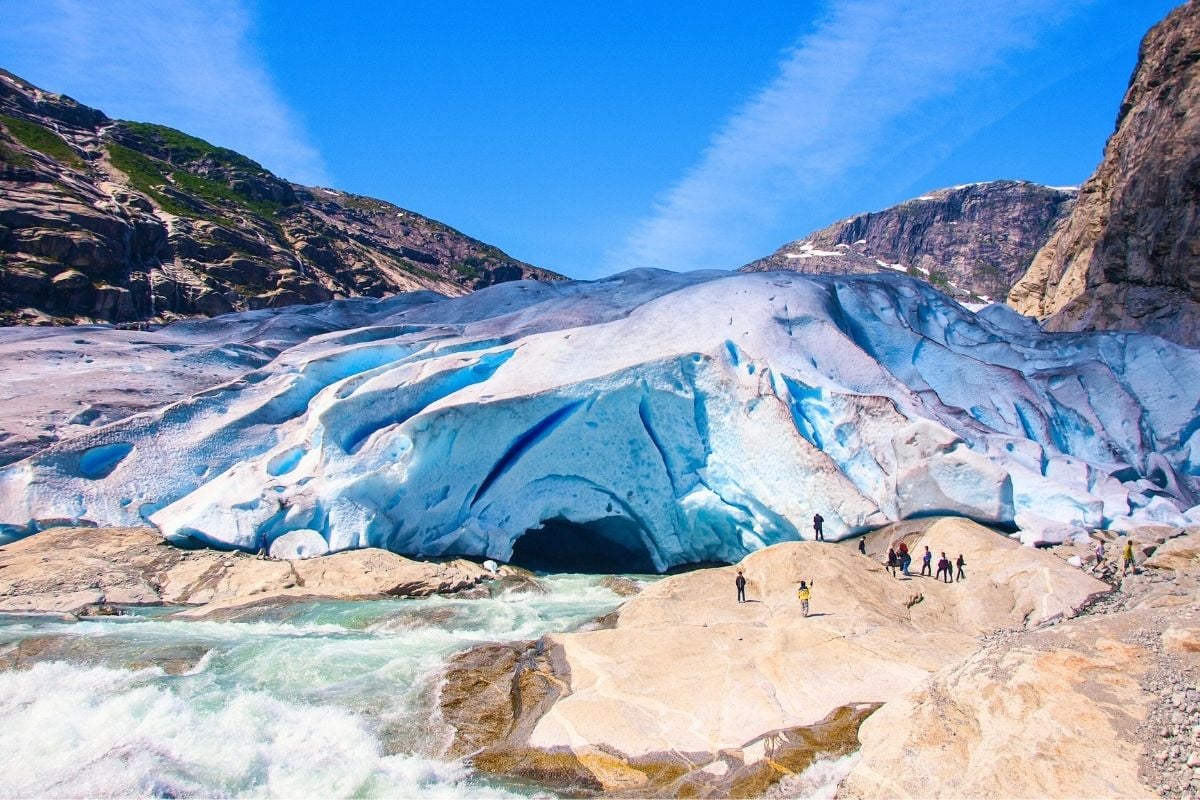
x=609 y=545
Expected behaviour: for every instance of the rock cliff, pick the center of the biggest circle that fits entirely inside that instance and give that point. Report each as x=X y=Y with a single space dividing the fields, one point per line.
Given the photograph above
x=971 y=241
x=113 y=221
x=1129 y=255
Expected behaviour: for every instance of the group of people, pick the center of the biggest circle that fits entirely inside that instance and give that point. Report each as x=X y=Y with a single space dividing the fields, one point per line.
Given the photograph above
x=899 y=557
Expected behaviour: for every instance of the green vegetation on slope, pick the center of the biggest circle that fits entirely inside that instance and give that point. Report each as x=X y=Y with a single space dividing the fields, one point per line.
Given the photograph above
x=149 y=176
x=42 y=139
x=182 y=148
x=145 y=176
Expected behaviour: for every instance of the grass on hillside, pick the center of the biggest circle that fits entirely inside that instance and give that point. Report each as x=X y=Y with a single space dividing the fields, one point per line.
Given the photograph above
x=10 y=155
x=182 y=148
x=42 y=139
x=145 y=176
x=149 y=176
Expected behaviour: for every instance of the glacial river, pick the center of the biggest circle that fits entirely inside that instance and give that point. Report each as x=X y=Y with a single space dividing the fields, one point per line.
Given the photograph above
x=320 y=699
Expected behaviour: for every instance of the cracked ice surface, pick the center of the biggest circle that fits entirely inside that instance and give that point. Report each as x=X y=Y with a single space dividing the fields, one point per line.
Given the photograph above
x=688 y=417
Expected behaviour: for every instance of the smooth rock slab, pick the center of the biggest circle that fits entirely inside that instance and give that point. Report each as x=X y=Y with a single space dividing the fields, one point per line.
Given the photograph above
x=689 y=671
x=67 y=569
x=1050 y=714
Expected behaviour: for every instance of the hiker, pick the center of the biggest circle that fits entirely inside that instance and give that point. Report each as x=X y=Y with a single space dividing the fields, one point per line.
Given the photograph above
x=862 y=545
x=1099 y=552
x=740 y=582
x=905 y=560
x=818 y=521
x=891 y=562
x=804 y=593
x=944 y=568
x=1127 y=557
x=961 y=576
x=925 y=559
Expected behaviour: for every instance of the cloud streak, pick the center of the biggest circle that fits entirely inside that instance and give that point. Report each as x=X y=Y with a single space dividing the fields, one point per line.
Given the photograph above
x=189 y=64
x=848 y=94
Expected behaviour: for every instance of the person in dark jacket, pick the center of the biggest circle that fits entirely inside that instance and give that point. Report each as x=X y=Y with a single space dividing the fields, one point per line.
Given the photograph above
x=925 y=561
x=862 y=545
x=818 y=531
x=740 y=582
x=961 y=576
x=891 y=562
x=944 y=571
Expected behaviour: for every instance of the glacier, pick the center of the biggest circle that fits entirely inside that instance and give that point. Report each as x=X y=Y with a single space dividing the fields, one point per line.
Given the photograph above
x=660 y=418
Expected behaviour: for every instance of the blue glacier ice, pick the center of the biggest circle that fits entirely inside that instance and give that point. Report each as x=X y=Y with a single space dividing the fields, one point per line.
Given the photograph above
x=673 y=418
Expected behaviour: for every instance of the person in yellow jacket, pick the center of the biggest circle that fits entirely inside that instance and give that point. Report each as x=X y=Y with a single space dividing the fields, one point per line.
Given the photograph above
x=804 y=593
x=1127 y=556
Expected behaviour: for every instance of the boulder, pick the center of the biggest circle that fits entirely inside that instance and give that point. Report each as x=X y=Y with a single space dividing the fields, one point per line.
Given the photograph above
x=1052 y=713
x=1177 y=554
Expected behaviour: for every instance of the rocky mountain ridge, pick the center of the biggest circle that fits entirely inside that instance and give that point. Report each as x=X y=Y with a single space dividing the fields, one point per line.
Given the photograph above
x=972 y=241
x=104 y=220
x=1129 y=255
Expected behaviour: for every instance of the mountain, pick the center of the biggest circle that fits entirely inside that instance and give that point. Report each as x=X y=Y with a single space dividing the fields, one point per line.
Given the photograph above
x=643 y=421
x=971 y=241
x=1129 y=255
x=114 y=221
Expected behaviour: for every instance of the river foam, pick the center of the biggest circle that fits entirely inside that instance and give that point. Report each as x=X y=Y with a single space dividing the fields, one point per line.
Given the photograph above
x=336 y=700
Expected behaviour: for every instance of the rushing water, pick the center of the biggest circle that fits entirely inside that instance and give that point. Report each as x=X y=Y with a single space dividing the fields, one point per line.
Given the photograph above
x=319 y=699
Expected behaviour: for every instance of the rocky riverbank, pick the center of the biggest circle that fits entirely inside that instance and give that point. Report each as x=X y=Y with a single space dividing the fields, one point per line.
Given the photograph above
x=91 y=570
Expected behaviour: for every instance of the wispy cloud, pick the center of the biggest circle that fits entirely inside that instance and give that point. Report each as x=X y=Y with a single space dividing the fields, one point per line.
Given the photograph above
x=848 y=94
x=189 y=64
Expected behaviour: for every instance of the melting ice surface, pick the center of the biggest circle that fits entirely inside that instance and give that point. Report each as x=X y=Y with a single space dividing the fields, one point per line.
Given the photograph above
x=670 y=418
x=330 y=699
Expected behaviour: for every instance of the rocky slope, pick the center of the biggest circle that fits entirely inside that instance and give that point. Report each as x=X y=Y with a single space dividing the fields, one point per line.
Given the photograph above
x=972 y=241
x=1129 y=256
x=1030 y=678
x=753 y=691
x=114 y=221
x=1104 y=705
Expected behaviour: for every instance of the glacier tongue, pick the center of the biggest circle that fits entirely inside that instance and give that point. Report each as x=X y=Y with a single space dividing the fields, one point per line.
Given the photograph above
x=674 y=418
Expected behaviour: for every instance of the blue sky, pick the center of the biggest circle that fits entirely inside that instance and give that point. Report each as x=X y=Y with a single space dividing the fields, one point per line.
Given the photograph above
x=594 y=137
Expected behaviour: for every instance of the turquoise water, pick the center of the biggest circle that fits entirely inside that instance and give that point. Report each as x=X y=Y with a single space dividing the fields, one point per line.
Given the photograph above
x=320 y=699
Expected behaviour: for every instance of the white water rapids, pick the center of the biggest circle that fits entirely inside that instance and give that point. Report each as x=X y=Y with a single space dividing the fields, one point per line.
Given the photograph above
x=320 y=699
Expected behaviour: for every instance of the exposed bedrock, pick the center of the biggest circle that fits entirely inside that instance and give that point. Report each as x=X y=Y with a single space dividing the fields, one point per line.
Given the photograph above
x=1104 y=705
x=754 y=692
x=664 y=418
x=71 y=570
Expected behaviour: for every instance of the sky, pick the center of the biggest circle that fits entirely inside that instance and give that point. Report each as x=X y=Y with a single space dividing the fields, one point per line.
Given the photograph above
x=590 y=138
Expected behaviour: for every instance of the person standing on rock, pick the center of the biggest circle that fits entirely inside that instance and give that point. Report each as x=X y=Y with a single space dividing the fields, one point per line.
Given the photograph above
x=891 y=562
x=1127 y=558
x=818 y=534
x=944 y=569
x=804 y=593
x=740 y=582
x=961 y=576
x=1099 y=552
x=925 y=560
x=862 y=545
x=905 y=560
